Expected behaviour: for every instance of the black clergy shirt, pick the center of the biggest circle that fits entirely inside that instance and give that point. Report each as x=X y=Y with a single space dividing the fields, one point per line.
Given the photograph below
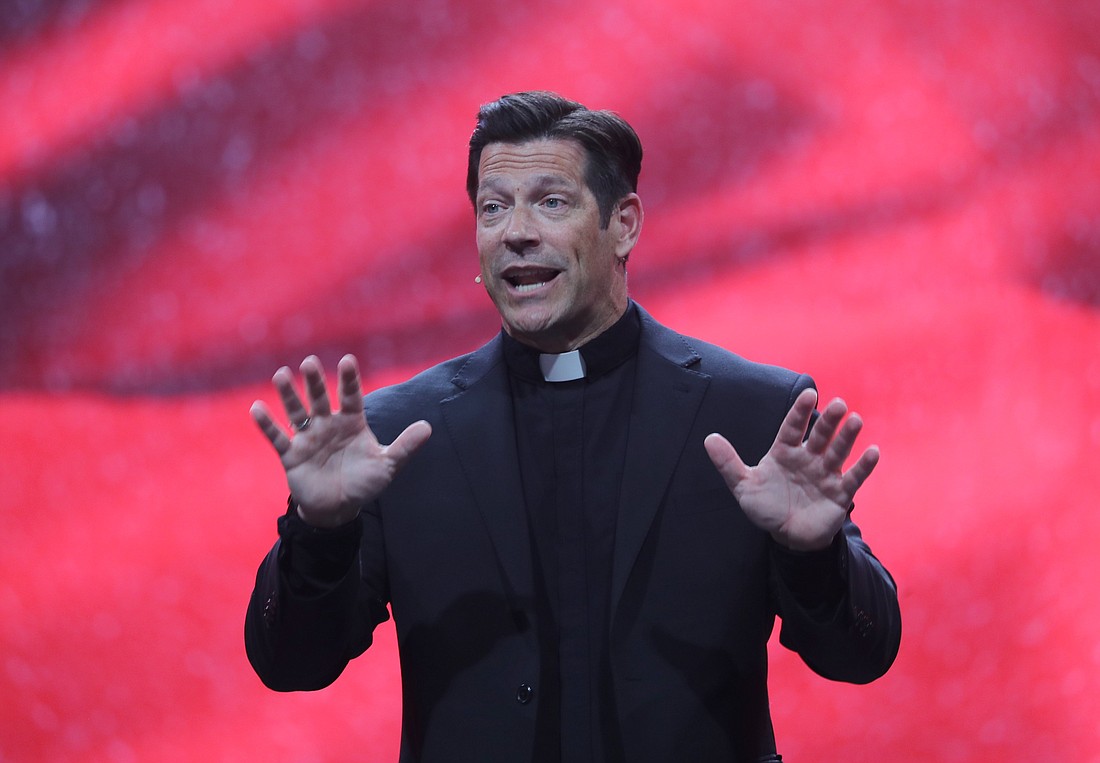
x=571 y=439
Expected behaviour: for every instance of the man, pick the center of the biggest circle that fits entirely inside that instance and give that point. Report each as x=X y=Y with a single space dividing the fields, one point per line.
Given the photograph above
x=586 y=528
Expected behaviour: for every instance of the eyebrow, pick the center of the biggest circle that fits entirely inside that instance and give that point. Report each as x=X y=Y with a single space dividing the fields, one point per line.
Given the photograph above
x=538 y=183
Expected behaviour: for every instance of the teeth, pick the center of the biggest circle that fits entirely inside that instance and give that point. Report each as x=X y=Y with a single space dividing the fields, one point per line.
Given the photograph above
x=523 y=287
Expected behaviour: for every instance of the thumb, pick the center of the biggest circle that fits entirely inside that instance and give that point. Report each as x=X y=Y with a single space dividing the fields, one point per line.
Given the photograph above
x=725 y=459
x=408 y=442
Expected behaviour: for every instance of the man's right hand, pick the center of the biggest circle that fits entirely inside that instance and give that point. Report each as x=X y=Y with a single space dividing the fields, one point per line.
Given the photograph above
x=333 y=462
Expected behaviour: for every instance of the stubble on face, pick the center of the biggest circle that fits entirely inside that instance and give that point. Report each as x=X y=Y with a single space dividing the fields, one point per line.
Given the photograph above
x=548 y=266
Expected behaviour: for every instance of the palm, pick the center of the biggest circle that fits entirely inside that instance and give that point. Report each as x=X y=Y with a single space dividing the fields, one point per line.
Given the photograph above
x=798 y=492
x=334 y=464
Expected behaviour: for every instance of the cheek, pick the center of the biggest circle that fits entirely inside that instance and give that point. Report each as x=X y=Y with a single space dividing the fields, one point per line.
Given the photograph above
x=484 y=251
x=597 y=267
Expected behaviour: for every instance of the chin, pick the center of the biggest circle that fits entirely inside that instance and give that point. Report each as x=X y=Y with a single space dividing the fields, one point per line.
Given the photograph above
x=527 y=325
x=532 y=325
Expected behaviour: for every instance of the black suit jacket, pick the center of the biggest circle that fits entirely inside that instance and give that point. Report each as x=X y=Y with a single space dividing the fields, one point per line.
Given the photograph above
x=695 y=586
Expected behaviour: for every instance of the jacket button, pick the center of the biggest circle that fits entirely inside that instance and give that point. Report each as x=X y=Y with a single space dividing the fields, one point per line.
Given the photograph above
x=271 y=611
x=524 y=694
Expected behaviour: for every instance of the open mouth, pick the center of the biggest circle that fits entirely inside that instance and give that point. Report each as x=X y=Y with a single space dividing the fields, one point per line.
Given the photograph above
x=531 y=280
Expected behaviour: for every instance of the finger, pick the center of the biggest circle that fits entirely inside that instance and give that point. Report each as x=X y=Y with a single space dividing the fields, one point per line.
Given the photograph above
x=824 y=429
x=841 y=446
x=725 y=459
x=279 y=439
x=351 y=388
x=854 y=478
x=313 y=374
x=408 y=442
x=284 y=383
x=793 y=428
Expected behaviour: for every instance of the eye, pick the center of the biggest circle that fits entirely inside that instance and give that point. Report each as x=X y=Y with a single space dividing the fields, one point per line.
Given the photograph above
x=490 y=208
x=554 y=202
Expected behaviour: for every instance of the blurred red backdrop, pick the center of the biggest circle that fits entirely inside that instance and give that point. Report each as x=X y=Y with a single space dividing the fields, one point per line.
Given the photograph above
x=900 y=198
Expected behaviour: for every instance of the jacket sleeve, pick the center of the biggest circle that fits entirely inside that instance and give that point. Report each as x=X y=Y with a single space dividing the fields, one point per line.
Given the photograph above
x=319 y=595
x=843 y=619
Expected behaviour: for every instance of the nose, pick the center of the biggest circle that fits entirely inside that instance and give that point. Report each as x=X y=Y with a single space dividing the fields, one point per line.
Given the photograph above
x=521 y=232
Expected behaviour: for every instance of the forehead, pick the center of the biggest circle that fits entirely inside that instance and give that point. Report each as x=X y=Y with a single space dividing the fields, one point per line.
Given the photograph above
x=546 y=158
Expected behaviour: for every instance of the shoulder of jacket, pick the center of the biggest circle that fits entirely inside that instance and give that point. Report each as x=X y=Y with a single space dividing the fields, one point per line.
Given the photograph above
x=439 y=381
x=716 y=362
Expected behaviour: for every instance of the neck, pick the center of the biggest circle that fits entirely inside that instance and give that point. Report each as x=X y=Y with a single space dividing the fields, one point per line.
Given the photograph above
x=557 y=342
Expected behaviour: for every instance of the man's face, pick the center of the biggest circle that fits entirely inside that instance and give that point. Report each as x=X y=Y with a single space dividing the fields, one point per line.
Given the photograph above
x=553 y=273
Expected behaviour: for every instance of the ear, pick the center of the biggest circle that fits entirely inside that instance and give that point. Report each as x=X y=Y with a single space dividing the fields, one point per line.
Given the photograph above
x=628 y=220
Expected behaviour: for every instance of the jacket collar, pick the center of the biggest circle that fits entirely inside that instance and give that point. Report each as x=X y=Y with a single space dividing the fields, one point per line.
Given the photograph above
x=657 y=338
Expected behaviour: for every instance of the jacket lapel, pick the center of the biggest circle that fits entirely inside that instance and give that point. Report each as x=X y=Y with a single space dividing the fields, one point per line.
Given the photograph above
x=479 y=421
x=666 y=398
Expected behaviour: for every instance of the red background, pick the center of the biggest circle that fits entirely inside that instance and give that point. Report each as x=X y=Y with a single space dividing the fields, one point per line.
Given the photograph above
x=901 y=198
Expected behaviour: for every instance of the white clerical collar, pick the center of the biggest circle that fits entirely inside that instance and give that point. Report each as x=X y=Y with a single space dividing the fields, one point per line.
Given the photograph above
x=568 y=366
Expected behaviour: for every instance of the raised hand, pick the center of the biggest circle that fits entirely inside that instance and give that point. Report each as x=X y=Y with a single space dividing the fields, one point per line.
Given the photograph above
x=333 y=462
x=798 y=492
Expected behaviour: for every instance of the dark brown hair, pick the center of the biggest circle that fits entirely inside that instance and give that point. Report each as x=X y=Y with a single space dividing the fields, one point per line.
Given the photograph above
x=612 y=147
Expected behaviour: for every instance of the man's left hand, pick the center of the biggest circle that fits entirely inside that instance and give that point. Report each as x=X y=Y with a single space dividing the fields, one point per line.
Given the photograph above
x=798 y=492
